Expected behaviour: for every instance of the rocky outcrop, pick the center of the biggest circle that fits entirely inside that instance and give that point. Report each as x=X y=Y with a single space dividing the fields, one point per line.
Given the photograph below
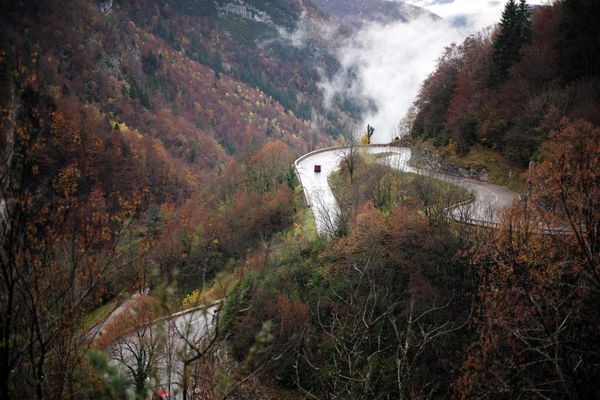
x=358 y=12
x=426 y=157
x=106 y=7
x=246 y=11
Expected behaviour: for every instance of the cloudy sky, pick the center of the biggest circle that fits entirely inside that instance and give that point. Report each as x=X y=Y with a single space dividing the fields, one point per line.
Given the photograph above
x=391 y=61
x=475 y=13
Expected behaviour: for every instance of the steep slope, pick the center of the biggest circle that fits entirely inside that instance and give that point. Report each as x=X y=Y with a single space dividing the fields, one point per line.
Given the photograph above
x=248 y=40
x=113 y=138
x=361 y=11
x=80 y=55
x=508 y=91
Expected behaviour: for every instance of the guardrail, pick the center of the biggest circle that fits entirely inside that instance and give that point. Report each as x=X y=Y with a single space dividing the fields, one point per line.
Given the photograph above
x=187 y=311
x=164 y=318
x=325 y=150
x=447 y=210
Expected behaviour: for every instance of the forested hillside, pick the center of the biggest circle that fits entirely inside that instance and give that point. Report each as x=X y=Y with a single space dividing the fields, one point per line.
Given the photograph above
x=118 y=140
x=507 y=90
x=402 y=303
x=358 y=12
x=147 y=167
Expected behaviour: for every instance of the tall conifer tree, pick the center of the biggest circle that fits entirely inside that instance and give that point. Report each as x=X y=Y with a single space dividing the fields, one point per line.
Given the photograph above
x=514 y=31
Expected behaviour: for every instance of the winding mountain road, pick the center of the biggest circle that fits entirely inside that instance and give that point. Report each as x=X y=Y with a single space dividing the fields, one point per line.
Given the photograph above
x=485 y=209
x=165 y=345
x=190 y=326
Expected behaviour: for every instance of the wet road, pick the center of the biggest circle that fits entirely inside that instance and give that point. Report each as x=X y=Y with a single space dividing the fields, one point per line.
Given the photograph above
x=486 y=208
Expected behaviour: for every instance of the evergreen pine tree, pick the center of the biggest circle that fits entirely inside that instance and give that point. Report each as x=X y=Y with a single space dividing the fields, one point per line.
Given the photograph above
x=217 y=64
x=524 y=20
x=514 y=31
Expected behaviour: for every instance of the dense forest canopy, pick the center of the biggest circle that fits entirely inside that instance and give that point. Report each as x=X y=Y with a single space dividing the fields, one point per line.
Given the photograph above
x=507 y=90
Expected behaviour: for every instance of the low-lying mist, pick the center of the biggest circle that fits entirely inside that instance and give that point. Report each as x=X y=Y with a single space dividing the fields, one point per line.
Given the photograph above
x=388 y=62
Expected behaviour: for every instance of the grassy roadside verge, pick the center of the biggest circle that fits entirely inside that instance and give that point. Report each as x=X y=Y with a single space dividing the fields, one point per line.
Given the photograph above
x=500 y=171
x=98 y=315
x=479 y=159
x=386 y=187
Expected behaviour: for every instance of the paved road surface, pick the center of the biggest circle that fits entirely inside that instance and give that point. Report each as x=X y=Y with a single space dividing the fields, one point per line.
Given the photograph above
x=489 y=200
x=180 y=328
x=184 y=328
x=167 y=339
x=99 y=329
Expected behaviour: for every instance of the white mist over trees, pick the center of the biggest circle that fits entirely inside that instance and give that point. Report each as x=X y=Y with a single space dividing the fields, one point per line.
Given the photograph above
x=390 y=61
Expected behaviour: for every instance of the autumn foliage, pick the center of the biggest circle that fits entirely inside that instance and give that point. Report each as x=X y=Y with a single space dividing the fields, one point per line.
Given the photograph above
x=148 y=146
x=538 y=319
x=406 y=307
x=500 y=90
x=360 y=316
x=118 y=151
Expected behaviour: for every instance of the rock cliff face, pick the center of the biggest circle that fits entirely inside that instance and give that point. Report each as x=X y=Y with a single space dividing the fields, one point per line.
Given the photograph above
x=246 y=11
x=106 y=7
x=279 y=14
x=426 y=157
x=361 y=11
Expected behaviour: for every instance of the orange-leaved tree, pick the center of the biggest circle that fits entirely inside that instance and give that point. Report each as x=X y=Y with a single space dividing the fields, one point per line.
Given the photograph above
x=539 y=322
x=135 y=342
x=57 y=248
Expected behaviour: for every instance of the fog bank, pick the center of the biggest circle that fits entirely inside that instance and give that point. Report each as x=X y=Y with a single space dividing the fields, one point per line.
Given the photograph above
x=389 y=62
